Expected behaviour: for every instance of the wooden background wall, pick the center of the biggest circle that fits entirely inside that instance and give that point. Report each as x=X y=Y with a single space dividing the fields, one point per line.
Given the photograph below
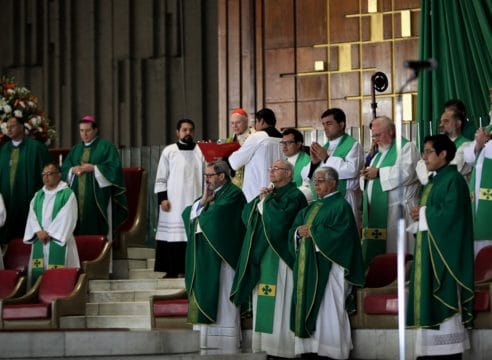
x=137 y=65
x=267 y=51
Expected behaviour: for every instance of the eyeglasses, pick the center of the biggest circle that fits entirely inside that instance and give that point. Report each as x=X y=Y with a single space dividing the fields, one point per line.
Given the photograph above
x=49 y=173
x=428 y=151
x=209 y=175
x=287 y=142
x=276 y=168
x=319 y=181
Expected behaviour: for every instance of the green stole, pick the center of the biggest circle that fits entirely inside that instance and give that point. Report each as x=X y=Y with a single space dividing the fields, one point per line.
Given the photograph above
x=343 y=148
x=304 y=290
x=460 y=140
x=14 y=160
x=302 y=160
x=57 y=253
x=482 y=212
x=374 y=223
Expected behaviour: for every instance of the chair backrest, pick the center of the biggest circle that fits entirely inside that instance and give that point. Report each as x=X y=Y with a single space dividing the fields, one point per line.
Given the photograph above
x=133 y=181
x=8 y=281
x=17 y=256
x=57 y=283
x=90 y=247
x=483 y=264
x=383 y=270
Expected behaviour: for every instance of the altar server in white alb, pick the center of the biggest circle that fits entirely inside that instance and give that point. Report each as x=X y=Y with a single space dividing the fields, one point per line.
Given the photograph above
x=178 y=183
x=257 y=153
x=50 y=225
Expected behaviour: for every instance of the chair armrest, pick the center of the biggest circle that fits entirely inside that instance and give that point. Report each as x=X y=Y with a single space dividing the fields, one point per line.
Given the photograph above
x=99 y=267
x=73 y=304
x=30 y=297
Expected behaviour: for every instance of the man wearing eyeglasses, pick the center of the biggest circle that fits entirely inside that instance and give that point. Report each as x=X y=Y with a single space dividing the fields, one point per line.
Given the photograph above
x=257 y=153
x=292 y=145
x=265 y=265
x=215 y=234
x=328 y=264
x=381 y=200
x=441 y=291
x=50 y=225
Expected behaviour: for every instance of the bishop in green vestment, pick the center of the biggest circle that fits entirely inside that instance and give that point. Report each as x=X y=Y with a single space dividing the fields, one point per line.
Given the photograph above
x=441 y=291
x=215 y=233
x=93 y=171
x=328 y=264
x=21 y=163
x=266 y=261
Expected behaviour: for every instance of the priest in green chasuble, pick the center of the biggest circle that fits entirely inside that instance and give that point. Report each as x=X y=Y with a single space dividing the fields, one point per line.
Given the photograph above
x=215 y=233
x=265 y=266
x=328 y=265
x=21 y=163
x=50 y=225
x=441 y=291
x=93 y=171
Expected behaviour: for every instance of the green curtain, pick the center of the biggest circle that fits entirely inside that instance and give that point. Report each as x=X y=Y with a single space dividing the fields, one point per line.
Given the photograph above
x=457 y=33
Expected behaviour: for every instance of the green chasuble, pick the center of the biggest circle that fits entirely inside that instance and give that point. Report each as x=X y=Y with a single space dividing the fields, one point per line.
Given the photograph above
x=265 y=243
x=482 y=213
x=57 y=253
x=93 y=200
x=334 y=232
x=27 y=163
x=220 y=240
x=302 y=160
x=441 y=281
x=375 y=215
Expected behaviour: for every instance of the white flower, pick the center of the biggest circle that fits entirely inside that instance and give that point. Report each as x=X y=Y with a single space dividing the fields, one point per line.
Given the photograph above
x=7 y=109
x=36 y=120
x=3 y=126
x=27 y=126
x=31 y=104
x=18 y=114
x=10 y=91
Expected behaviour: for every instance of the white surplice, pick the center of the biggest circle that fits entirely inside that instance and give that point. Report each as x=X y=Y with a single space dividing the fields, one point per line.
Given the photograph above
x=180 y=174
x=257 y=154
x=60 y=228
x=332 y=336
x=471 y=159
x=390 y=177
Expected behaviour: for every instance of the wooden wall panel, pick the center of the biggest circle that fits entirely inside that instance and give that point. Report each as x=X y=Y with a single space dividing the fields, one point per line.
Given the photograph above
x=284 y=112
x=342 y=28
x=234 y=21
x=279 y=61
x=279 y=24
x=311 y=22
x=309 y=113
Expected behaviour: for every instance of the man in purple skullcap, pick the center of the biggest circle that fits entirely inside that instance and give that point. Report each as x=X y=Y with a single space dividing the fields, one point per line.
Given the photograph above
x=93 y=171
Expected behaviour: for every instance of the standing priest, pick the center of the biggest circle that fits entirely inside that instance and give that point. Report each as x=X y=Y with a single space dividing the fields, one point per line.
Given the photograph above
x=328 y=263
x=215 y=232
x=265 y=265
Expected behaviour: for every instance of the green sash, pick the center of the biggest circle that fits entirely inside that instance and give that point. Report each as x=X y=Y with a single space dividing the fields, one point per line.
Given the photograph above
x=374 y=223
x=57 y=253
x=304 y=289
x=343 y=148
x=460 y=140
x=302 y=160
x=482 y=212
x=267 y=290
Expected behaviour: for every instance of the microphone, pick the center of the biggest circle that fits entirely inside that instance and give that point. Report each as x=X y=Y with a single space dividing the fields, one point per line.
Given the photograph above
x=418 y=65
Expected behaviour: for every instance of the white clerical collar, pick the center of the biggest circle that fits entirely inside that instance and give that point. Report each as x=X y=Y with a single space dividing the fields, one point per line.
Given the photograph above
x=17 y=142
x=61 y=185
x=90 y=142
x=292 y=159
x=220 y=187
x=330 y=194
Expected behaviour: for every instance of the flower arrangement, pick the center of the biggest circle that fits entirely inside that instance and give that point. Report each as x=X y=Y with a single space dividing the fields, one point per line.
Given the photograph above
x=20 y=103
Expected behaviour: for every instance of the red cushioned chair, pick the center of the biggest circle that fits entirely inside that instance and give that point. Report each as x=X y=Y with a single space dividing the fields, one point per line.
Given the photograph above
x=483 y=288
x=377 y=302
x=17 y=256
x=12 y=284
x=169 y=311
x=58 y=292
x=132 y=231
x=94 y=254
